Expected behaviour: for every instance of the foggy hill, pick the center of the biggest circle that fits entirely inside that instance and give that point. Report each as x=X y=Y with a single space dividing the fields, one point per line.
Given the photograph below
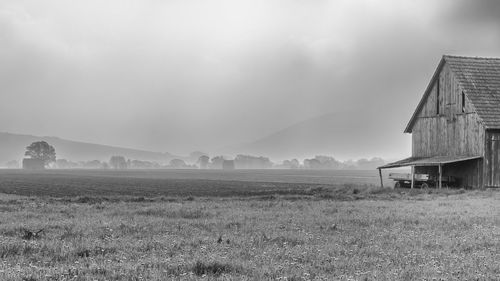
x=13 y=146
x=341 y=135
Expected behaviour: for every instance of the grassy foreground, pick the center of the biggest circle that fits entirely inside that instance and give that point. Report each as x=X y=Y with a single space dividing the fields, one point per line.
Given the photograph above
x=380 y=236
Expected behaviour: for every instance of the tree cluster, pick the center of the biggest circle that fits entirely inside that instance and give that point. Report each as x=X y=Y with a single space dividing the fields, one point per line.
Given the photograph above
x=252 y=162
x=41 y=150
x=330 y=163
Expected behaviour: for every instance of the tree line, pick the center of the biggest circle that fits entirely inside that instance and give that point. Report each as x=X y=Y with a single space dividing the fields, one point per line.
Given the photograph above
x=46 y=155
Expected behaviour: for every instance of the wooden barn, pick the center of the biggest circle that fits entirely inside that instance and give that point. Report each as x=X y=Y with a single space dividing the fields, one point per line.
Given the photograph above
x=456 y=125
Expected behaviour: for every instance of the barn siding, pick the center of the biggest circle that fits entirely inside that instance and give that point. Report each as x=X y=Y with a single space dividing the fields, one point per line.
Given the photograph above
x=451 y=133
x=492 y=159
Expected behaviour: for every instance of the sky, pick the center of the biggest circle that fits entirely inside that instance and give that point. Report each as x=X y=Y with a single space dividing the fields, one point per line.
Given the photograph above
x=185 y=75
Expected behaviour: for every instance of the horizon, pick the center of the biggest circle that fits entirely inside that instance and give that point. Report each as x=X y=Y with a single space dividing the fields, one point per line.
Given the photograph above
x=185 y=156
x=213 y=76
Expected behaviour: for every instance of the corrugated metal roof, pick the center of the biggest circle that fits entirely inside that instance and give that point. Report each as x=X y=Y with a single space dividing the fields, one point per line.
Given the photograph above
x=428 y=161
x=480 y=80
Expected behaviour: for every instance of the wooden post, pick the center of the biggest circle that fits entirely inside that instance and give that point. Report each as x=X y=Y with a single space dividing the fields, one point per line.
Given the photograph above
x=440 y=176
x=412 y=176
x=381 y=181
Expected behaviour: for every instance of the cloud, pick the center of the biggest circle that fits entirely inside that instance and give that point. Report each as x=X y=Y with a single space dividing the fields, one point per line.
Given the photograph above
x=477 y=13
x=185 y=75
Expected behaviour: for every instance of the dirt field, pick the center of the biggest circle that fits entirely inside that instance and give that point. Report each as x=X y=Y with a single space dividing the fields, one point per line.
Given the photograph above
x=312 y=232
x=177 y=182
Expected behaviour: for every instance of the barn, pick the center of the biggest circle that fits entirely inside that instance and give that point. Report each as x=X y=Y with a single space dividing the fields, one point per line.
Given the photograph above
x=456 y=126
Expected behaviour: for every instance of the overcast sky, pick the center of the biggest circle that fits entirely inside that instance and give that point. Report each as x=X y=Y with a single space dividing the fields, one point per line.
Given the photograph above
x=188 y=75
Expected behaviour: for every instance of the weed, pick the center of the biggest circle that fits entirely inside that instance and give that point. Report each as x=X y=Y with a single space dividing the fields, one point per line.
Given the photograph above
x=10 y=250
x=28 y=234
x=85 y=253
x=287 y=241
x=184 y=213
x=4 y=208
x=233 y=225
x=90 y=200
x=213 y=268
x=69 y=233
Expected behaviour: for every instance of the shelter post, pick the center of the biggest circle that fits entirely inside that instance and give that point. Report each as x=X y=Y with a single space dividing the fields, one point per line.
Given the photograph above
x=440 y=175
x=412 y=176
x=381 y=181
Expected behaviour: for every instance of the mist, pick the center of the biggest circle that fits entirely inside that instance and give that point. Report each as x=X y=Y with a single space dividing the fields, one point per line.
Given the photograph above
x=181 y=76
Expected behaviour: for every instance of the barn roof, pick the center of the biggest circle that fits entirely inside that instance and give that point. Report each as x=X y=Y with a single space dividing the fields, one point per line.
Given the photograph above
x=480 y=80
x=427 y=161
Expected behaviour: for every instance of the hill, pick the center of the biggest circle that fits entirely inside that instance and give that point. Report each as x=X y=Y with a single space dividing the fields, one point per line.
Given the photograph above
x=13 y=146
x=341 y=135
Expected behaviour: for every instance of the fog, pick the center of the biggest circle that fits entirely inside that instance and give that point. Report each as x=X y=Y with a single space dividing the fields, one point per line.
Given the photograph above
x=189 y=75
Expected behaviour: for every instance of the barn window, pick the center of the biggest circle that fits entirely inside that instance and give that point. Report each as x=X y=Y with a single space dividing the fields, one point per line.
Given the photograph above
x=437 y=97
x=463 y=102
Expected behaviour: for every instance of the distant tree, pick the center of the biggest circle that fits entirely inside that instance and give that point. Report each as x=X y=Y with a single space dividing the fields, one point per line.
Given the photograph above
x=65 y=164
x=365 y=164
x=217 y=162
x=94 y=164
x=290 y=164
x=12 y=164
x=41 y=150
x=286 y=164
x=252 y=162
x=203 y=161
x=118 y=162
x=328 y=162
x=177 y=163
x=312 y=164
x=349 y=165
x=195 y=156
x=138 y=164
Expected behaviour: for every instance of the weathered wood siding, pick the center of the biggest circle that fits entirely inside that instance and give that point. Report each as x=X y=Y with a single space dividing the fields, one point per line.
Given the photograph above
x=451 y=132
x=492 y=159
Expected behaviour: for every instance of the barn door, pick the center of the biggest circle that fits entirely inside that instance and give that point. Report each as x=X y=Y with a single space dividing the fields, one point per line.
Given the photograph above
x=492 y=159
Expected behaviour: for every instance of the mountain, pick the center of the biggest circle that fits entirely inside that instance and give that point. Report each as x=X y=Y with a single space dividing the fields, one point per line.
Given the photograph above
x=13 y=146
x=345 y=136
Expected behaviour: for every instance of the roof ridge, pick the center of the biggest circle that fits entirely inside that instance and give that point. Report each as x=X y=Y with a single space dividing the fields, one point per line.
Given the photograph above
x=470 y=57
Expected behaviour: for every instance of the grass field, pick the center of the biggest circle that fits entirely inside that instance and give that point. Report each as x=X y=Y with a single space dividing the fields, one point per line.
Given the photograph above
x=105 y=229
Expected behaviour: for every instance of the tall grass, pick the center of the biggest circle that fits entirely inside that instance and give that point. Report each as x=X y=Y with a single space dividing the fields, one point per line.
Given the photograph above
x=364 y=235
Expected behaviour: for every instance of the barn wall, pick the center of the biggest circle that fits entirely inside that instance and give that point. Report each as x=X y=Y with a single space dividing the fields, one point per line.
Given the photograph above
x=451 y=132
x=492 y=159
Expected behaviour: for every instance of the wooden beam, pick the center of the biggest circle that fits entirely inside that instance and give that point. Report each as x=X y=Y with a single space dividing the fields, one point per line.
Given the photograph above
x=381 y=181
x=412 y=176
x=440 y=176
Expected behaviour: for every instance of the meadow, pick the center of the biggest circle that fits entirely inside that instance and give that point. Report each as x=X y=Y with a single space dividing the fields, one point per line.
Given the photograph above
x=232 y=229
